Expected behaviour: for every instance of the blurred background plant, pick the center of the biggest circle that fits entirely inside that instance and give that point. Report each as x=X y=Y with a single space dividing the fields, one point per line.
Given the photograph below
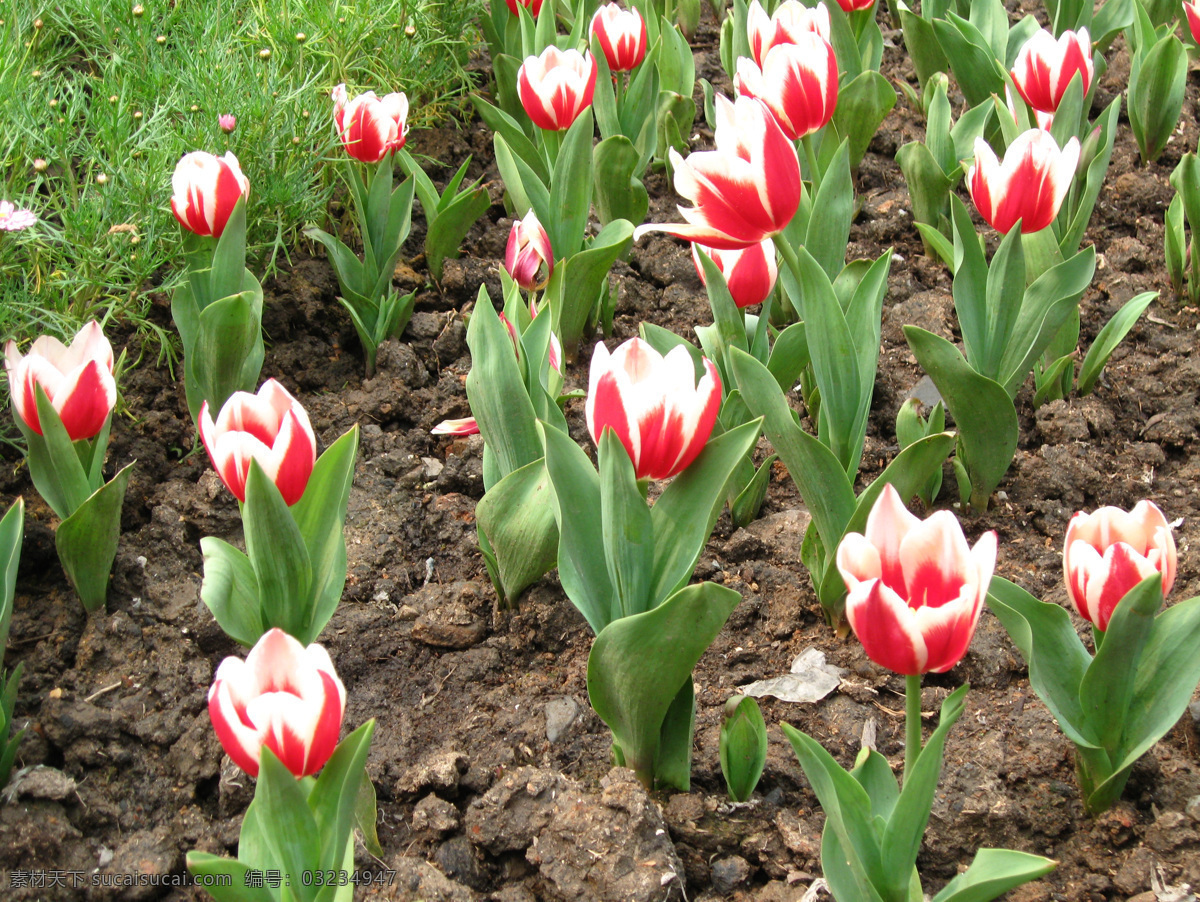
x=100 y=98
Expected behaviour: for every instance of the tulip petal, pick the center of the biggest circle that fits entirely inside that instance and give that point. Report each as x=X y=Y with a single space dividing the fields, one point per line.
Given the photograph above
x=886 y=627
x=84 y=399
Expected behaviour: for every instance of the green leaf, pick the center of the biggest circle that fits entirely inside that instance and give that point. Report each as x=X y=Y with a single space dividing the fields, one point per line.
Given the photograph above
x=228 y=353
x=279 y=557
x=1005 y=289
x=928 y=186
x=87 y=540
x=334 y=798
x=922 y=45
x=742 y=746
x=789 y=356
x=829 y=233
x=684 y=515
x=1110 y=336
x=366 y=813
x=620 y=193
x=581 y=565
x=571 y=189
x=236 y=889
x=626 y=528
x=973 y=62
x=576 y=283
x=744 y=507
x=12 y=534
x=453 y=221
x=638 y=665
x=54 y=463
x=992 y=873
x=287 y=824
x=230 y=591
x=874 y=774
x=320 y=515
x=1055 y=656
x=1155 y=100
x=673 y=768
x=862 y=106
x=729 y=325
x=516 y=520
x=229 y=256
x=982 y=410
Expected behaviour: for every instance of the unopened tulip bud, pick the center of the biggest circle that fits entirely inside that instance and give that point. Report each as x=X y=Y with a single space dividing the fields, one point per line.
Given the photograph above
x=527 y=252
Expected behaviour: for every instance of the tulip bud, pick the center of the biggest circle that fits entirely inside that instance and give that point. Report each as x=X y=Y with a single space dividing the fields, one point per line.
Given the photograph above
x=283 y=696
x=528 y=249
x=77 y=380
x=1044 y=67
x=750 y=273
x=915 y=588
x=534 y=6
x=851 y=6
x=206 y=189
x=1192 y=11
x=556 y=87
x=1108 y=552
x=742 y=746
x=790 y=20
x=660 y=414
x=227 y=123
x=1029 y=186
x=621 y=35
x=370 y=127
x=798 y=82
x=269 y=427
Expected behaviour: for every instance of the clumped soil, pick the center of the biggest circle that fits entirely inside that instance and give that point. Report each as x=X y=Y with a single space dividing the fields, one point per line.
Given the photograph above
x=493 y=776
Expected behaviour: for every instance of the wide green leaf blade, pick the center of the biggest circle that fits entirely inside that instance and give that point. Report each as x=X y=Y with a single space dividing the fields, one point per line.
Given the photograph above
x=626 y=528
x=287 y=824
x=279 y=557
x=230 y=591
x=620 y=193
x=581 y=279
x=992 y=873
x=516 y=519
x=87 y=540
x=12 y=534
x=829 y=232
x=335 y=795
x=1110 y=336
x=1005 y=289
x=571 y=189
x=55 y=466
x=238 y=889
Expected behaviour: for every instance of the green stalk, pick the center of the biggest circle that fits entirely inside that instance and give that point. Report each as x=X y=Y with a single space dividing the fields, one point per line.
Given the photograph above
x=912 y=723
x=810 y=156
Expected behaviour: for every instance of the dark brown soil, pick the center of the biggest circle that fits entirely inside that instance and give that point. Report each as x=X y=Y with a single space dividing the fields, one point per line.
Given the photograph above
x=493 y=775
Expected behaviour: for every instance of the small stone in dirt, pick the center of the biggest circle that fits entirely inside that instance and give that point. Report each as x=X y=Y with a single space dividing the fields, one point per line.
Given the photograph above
x=1193 y=807
x=560 y=714
x=456 y=859
x=438 y=771
x=729 y=873
x=435 y=815
x=448 y=618
x=145 y=860
x=40 y=782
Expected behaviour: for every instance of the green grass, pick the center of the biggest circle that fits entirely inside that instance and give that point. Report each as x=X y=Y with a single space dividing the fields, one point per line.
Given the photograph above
x=110 y=100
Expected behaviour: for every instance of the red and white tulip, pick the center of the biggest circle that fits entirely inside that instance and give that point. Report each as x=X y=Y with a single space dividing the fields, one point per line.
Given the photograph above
x=744 y=191
x=556 y=87
x=78 y=380
x=1192 y=11
x=1030 y=185
x=527 y=251
x=750 y=272
x=915 y=587
x=851 y=6
x=270 y=427
x=534 y=6
x=790 y=20
x=621 y=34
x=654 y=404
x=206 y=189
x=798 y=82
x=1110 y=551
x=1044 y=67
x=370 y=127
x=283 y=696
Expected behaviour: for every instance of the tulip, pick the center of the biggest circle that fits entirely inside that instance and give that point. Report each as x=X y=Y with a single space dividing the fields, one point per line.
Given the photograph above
x=746 y=190
x=851 y=6
x=1108 y=552
x=370 y=127
x=1192 y=11
x=798 y=82
x=283 y=696
x=206 y=189
x=1030 y=185
x=653 y=403
x=1045 y=67
x=270 y=427
x=622 y=36
x=77 y=380
x=789 y=21
x=227 y=123
x=528 y=248
x=556 y=87
x=14 y=219
x=465 y=426
x=534 y=6
x=915 y=588
x=750 y=273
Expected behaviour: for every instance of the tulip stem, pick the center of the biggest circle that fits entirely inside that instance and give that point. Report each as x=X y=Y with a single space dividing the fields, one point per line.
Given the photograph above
x=912 y=723
x=810 y=156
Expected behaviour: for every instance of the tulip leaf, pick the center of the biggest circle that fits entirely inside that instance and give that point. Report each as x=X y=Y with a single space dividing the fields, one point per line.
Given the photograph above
x=970 y=281
x=1055 y=656
x=346 y=266
x=1167 y=675
x=516 y=524
x=1002 y=304
x=446 y=233
x=229 y=258
x=1156 y=88
x=751 y=491
x=571 y=189
x=901 y=838
x=928 y=186
x=278 y=554
x=320 y=515
x=684 y=515
x=729 y=325
x=496 y=391
x=12 y=534
x=743 y=747
x=673 y=767
x=1110 y=336
x=862 y=106
x=237 y=888
x=228 y=352
x=54 y=463
x=627 y=530
x=664 y=341
x=992 y=873
x=525 y=187
x=87 y=540
x=576 y=284
x=972 y=60
x=829 y=233
x=581 y=566
x=639 y=664
x=335 y=795
x=874 y=774
x=983 y=411
x=789 y=356
x=922 y=44
x=847 y=813
x=291 y=831
x=230 y=591
x=620 y=194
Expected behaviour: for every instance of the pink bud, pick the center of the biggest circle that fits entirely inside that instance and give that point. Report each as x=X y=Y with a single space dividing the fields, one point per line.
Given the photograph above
x=556 y=87
x=78 y=381
x=465 y=426
x=527 y=252
x=653 y=403
x=227 y=123
x=915 y=588
x=270 y=427
x=14 y=219
x=206 y=188
x=1108 y=552
x=283 y=696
